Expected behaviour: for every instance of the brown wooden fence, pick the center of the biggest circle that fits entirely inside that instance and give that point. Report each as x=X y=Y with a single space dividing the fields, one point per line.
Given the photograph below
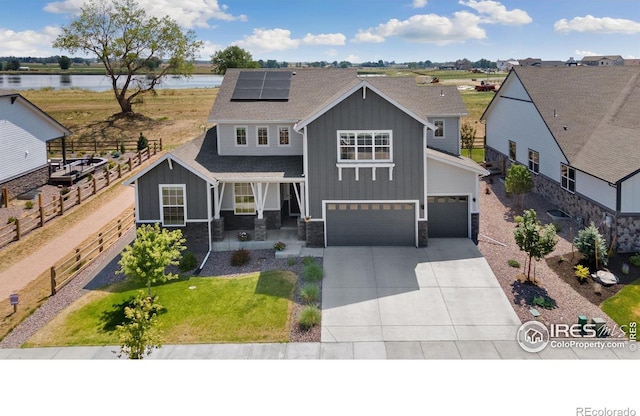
x=77 y=260
x=95 y=146
x=76 y=195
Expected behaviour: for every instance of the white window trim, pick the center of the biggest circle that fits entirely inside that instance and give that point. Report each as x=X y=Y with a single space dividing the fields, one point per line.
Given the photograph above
x=246 y=136
x=345 y=162
x=289 y=136
x=515 y=152
x=235 y=212
x=258 y=136
x=184 y=205
x=444 y=133
x=569 y=180
x=530 y=161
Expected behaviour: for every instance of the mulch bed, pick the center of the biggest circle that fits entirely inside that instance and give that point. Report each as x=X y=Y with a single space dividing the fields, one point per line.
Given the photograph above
x=591 y=290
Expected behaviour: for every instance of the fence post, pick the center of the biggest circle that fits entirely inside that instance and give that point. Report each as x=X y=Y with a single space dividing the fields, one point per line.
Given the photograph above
x=95 y=185
x=154 y=148
x=78 y=255
x=61 y=204
x=161 y=144
x=41 y=216
x=130 y=164
x=79 y=195
x=119 y=228
x=119 y=171
x=100 y=242
x=107 y=174
x=53 y=280
x=5 y=196
x=17 y=229
x=139 y=157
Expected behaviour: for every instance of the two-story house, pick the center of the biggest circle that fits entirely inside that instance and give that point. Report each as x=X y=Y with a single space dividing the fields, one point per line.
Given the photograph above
x=578 y=130
x=348 y=160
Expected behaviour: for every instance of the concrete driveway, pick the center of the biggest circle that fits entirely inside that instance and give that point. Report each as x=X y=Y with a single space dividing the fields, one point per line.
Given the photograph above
x=445 y=292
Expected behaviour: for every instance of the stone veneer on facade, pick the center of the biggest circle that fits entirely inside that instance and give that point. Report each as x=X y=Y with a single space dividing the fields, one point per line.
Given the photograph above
x=627 y=227
x=27 y=182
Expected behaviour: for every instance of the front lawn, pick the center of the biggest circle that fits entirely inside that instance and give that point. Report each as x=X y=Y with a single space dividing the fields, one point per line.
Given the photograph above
x=624 y=307
x=252 y=308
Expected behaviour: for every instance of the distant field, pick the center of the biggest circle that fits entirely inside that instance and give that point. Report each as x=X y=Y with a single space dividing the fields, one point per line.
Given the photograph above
x=175 y=116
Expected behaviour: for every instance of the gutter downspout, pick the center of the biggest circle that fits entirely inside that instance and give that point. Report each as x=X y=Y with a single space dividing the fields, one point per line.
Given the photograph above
x=210 y=187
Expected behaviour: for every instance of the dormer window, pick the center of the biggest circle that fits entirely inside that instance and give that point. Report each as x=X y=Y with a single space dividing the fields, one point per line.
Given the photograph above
x=439 y=132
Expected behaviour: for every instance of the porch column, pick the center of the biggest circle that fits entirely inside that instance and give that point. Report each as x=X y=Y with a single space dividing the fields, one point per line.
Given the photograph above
x=218 y=194
x=260 y=198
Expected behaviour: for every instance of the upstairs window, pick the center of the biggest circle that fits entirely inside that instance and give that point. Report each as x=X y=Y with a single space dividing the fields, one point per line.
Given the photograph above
x=439 y=132
x=568 y=177
x=534 y=161
x=241 y=136
x=364 y=146
x=512 y=150
x=283 y=133
x=173 y=205
x=263 y=136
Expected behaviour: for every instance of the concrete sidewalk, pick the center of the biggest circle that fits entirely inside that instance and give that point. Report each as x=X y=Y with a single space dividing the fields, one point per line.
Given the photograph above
x=411 y=350
x=29 y=268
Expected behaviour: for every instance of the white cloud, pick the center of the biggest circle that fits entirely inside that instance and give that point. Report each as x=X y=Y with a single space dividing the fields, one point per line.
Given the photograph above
x=29 y=42
x=353 y=58
x=188 y=13
x=427 y=28
x=336 y=39
x=582 y=53
x=592 y=24
x=264 y=40
x=419 y=3
x=495 y=12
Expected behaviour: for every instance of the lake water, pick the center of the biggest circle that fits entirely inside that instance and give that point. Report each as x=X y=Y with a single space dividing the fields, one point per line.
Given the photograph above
x=96 y=82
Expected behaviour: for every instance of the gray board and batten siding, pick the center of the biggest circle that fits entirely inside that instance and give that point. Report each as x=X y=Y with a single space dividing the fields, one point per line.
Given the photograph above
x=164 y=174
x=372 y=113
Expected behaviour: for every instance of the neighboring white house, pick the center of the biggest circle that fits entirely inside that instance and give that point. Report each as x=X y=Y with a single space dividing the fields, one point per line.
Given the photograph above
x=24 y=132
x=505 y=66
x=578 y=130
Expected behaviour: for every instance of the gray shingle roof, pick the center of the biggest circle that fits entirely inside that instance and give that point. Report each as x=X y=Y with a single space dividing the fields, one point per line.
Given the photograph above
x=202 y=155
x=314 y=88
x=600 y=108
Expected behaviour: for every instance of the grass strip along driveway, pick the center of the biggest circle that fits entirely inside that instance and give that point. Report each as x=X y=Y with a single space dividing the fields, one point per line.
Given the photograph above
x=250 y=308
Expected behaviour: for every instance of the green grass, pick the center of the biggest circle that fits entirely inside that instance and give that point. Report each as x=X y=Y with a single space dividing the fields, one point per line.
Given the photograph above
x=252 y=308
x=476 y=154
x=624 y=307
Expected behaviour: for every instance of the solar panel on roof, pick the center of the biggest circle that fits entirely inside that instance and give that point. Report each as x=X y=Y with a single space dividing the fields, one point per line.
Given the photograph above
x=262 y=86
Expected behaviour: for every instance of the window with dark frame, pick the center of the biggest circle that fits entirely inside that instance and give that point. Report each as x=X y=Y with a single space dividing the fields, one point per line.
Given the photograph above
x=283 y=133
x=568 y=177
x=439 y=132
x=534 y=161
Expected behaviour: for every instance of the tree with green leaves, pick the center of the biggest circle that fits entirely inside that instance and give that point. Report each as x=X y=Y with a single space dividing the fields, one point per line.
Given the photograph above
x=154 y=249
x=533 y=238
x=64 y=62
x=518 y=182
x=468 y=137
x=138 y=335
x=232 y=57
x=592 y=245
x=125 y=39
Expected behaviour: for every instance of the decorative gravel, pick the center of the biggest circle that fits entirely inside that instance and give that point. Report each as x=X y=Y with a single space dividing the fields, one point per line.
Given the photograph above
x=17 y=208
x=219 y=264
x=497 y=223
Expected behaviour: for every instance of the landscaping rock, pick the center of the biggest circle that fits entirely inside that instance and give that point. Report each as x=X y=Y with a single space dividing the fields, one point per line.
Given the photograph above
x=605 y=277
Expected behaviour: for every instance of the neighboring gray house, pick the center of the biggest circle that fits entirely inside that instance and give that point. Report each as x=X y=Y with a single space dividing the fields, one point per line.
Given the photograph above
x=347 y=160
x=608 y=60
x=24 y=132
x=578 y=130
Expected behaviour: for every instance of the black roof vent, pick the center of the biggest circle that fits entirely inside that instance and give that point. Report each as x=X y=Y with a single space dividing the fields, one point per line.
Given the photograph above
x=262 y=86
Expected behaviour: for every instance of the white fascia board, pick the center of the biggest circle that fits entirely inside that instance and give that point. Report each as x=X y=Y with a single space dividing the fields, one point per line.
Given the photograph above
x=172 y=158
x=259 y=179
x=479 y=169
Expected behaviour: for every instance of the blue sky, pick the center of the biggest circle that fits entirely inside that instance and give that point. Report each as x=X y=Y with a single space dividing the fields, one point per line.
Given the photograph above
x=365 y=30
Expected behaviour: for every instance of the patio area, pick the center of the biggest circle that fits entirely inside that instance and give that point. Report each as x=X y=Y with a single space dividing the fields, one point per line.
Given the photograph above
x=289 y=236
